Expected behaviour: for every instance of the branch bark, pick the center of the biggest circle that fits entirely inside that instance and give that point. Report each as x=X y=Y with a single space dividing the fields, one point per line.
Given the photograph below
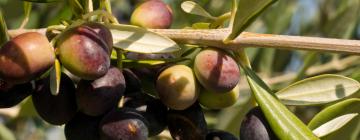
x=214 y=37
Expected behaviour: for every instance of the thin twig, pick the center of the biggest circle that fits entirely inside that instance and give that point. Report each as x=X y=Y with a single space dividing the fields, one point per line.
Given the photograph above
x=214 y=37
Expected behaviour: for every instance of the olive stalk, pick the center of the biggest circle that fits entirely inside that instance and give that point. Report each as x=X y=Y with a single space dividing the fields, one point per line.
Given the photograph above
x=214 y=37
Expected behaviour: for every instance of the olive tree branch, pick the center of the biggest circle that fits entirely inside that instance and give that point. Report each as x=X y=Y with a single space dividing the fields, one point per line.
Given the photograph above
x=214 y=37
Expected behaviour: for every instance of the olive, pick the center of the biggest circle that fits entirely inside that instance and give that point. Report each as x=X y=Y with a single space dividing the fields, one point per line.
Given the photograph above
x=214 y=100
x=25 y=57
x=177 y=87
x=153 y=14
x=84 y=53
x=216 y=70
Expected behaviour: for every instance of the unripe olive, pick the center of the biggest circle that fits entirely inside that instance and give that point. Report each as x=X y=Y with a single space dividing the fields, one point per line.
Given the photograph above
x=214 y=100
x=84 y=53
x=25 y=57
x=255 y=126
x=177 y=87
x=153 y=14
x=216 y=70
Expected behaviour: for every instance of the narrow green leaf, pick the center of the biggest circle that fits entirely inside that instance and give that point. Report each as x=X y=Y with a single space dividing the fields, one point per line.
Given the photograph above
x=5 y=133
x=127 y=63
x=42 y=1
x=201 y=25
x=27 y=12
x=334 y=125
x=318 y=90
x=247 y=11
x=135 y=39
x=4 y=36
x=195 y=9
x=284 y=123
x=349 y=131
x=55 y=76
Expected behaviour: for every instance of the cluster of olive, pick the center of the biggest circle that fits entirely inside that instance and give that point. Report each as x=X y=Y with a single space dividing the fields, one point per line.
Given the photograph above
x=108 y=103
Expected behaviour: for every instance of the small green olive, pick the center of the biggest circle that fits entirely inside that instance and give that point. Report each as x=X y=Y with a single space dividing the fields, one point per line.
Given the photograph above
x=177 y=87
x=214 y=100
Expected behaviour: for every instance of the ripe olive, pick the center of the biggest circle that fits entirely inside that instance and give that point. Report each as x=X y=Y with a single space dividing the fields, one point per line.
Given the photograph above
x=255 y=126
x=55 y=109
x=96 y=97
x=123 y=124
x=188 y=124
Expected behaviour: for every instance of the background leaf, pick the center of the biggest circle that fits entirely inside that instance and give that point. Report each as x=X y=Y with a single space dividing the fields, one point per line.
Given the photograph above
x=334 y=124
x=4 y=36
x=42 y=1
x=350 y=131
x=318 y=90
x=140 y=40
x=195 y=9
x=246 y=12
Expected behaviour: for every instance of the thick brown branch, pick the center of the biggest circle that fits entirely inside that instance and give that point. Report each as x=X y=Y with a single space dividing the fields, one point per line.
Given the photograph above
x=214 y=37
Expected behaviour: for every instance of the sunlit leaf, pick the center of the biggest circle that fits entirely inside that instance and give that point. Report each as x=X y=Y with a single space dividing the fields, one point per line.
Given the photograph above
x=285 y=124
x=140 y=40
x=282 y=121
x=43 y=1
x=127 y=63
x=349 y=131
x=246 y=12
x=318 y=90
x=201 y=25
x=55 y=76
x=195 y=9
x=334 y=124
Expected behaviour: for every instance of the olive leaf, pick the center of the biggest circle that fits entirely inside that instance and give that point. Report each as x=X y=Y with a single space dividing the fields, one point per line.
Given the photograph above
x=4 y=36
x=340 y=21
x=285 y=124
x=42 y=1
x=27 y=12
x=318 y=90
x=55 y=76
x=195 y=9
x=5 y=133
x=282 y=121
x=136 y=39
x=334 y=124
x=349 y=131
x=128 y=63
x=246 y=12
